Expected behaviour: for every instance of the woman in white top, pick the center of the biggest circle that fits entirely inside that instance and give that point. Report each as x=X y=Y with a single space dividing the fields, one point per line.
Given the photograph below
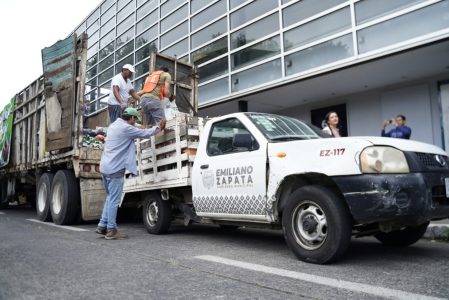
x=331 y=128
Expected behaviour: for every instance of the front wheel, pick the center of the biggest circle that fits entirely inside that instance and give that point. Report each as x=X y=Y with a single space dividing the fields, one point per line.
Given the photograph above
x=317 y=225
x=156 y=213
x=404 y=237
x=65 y=198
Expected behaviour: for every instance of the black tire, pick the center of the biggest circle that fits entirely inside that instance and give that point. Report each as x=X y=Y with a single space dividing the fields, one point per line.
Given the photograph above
x=228 y=227
x=326 y=225
x=404 y=237
x=65 y=198
x=43 y=195
x=156 y=213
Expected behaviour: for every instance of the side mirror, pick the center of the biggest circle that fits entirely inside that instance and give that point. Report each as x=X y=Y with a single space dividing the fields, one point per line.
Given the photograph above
x=242 y=140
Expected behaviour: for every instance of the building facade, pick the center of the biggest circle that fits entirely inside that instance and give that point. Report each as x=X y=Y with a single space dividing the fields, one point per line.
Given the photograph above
x=367 y=59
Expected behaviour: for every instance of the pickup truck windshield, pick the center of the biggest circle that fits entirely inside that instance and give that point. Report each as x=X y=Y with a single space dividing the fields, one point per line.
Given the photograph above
x=280 y=128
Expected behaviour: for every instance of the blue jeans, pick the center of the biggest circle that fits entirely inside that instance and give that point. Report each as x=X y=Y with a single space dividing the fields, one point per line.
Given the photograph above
x=115 y=111
x=113 y=188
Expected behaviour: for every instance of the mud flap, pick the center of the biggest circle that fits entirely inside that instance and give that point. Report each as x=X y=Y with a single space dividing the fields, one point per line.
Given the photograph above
x=92 y=198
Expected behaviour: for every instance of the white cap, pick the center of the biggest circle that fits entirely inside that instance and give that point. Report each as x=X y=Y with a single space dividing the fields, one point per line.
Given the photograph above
x=129 y=67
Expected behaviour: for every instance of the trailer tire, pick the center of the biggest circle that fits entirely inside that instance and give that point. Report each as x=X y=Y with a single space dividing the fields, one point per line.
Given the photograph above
x=317 y=225
x=402 y=238
x=3 y=193
x=65 y=198
x=43 y=196
x=156 y=213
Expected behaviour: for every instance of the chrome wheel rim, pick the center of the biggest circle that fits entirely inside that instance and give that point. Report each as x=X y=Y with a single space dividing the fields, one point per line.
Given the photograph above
x=57 y=198
x=152 y=213
x=42 y=197
x=309 y=225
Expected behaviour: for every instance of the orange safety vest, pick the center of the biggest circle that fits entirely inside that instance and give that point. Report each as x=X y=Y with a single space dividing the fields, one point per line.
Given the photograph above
x=151 y=83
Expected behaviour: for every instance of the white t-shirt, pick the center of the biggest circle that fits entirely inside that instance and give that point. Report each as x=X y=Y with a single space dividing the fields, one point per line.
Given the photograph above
x=123 y=87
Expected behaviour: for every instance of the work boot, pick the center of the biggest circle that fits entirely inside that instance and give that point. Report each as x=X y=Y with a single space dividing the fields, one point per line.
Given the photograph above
x=101 y=230
x=114 y=234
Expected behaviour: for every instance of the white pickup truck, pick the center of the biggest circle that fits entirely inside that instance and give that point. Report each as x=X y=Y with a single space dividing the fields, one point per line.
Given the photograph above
x=255 y=169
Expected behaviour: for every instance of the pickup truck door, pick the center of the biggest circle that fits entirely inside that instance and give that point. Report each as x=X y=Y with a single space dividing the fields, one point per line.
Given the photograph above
x=229 y=179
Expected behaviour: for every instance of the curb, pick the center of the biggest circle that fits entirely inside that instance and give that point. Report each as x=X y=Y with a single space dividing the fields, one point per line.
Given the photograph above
x=437 y=232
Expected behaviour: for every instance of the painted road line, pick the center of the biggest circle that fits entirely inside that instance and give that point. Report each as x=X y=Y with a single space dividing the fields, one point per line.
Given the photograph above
x=59 y=226
x=327 y=281
x=2 y=213
x=438 y=225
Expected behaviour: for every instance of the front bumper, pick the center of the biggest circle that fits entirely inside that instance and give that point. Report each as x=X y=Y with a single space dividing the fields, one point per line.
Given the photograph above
x=410 y=199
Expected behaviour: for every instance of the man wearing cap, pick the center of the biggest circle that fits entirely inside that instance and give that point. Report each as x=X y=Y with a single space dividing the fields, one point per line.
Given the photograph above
x=121 y=90
x=119 y=155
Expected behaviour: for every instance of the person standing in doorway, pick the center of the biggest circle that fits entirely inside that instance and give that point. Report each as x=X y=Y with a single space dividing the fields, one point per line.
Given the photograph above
x=121 y=90
x=156 y=88
x=331 y=128
x=119 y=155
x=401 y=131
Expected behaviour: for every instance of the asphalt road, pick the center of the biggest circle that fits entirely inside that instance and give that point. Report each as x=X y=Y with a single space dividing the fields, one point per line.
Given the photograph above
x=40 y=261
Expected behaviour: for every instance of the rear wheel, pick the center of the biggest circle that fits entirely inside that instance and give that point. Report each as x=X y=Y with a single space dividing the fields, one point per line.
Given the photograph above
x=404 y=237
x=65 y=198
x=43 y=196
x=317 y=225
x=156 y=213
x=3 y=193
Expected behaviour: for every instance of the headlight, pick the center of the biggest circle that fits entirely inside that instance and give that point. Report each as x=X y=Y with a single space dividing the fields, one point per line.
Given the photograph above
x=381 y=159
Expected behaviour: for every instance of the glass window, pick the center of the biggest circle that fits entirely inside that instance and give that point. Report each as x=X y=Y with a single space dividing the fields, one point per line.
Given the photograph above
x=106 y=63
x=368 y=10
x=222 y=135
x=207 y=15
x=91 y=61
x=145 y=51
x=121 y=4
x=105 y=89
x=125 y=24
x=138 y=84
x=255 y=31
x=256 y=53
x=317 y=29
x=93 y=18
x=305 y=9
x=128 y=60
x=146 y=8
x=169 y=5
x=214 y=69
x=80 y=29
x=93 y=28
x=92 y=50
x=210 y=51
x=121 y=15
x=213 y=90
x=125 y=50
x=143 y=67
x=125 y=37
x=93 y=39
x=91 y=95
x=108 y=27
x=319 y=55
x=108 y=15
x=92 y=72
x=140 y=2
x=177 y=16
x=91 y=84
x=106 y=4
x=174 y=34
x=107 y=39
x=255 y=76
x=178 y=48
x=147 y=36
x=146 y=22
x=411 y=25
x=234 y=3
x=106 y=75
x=196 y=5
x=107 y=50
x=209 y=33
x=251 y=11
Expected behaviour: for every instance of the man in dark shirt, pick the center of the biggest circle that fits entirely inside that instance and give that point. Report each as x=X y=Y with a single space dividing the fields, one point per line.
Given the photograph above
x=401 y=131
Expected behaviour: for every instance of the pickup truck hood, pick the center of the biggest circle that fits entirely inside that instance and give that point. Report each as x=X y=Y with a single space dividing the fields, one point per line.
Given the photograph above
x=332 y=156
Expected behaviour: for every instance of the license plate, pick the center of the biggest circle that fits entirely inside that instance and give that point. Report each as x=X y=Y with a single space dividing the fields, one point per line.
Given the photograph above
x=446 y=180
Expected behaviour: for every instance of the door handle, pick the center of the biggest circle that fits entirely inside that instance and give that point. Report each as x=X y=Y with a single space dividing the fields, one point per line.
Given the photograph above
x=204 y=166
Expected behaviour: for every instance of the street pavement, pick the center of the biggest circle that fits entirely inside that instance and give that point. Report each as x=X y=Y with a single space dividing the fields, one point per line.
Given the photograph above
x=41 y=261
